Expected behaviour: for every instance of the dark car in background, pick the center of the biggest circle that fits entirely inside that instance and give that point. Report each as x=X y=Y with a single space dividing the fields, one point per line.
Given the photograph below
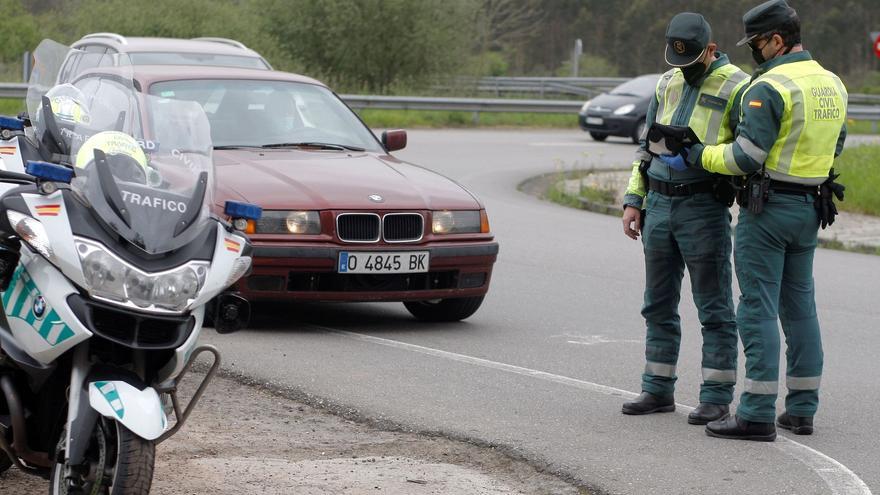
x=621 y=111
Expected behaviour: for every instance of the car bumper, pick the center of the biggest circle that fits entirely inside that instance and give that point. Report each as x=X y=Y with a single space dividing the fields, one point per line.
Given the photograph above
x=309 y=273
x=613 y=125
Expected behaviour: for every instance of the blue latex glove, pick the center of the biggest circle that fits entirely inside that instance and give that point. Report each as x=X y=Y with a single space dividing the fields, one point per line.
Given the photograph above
x=676 y=162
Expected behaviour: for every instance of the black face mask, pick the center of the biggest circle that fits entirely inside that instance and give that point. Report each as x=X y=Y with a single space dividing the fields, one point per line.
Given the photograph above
x=693 y=73
x=758 y=56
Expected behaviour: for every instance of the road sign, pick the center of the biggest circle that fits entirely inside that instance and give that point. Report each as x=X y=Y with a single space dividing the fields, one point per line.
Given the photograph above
x=875 y=38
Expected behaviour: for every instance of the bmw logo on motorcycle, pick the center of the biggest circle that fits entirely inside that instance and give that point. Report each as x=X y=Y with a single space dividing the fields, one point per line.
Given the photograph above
x=39 y=306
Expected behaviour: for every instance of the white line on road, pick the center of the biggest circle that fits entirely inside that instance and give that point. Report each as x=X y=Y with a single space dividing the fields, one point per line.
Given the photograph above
x=839 y=478
x=563 y=143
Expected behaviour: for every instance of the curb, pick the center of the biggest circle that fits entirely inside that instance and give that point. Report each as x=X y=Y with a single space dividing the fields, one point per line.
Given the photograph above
x=615 y=210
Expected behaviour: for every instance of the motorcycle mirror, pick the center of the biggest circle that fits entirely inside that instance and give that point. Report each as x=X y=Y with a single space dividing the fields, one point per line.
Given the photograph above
x=231 y=313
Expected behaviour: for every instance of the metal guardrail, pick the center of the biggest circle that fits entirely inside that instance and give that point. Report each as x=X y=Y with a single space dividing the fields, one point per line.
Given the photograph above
x=13 y=90
x=862 y=107
x=462 y=104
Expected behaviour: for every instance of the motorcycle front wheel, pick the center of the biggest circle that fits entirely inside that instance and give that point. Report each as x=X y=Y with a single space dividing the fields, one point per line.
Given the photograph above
x=118 y=462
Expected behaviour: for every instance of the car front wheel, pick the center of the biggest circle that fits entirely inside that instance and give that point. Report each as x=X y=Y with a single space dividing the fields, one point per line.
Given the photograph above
x=598 y=136
x=444 y=309
x=638 y=131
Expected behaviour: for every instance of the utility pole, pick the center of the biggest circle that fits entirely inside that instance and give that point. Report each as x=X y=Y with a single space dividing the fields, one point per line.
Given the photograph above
x=578 y=50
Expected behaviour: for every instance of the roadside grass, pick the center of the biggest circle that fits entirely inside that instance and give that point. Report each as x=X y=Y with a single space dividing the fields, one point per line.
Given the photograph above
x=862 y=127
x=10 y=106
x=859 y=170
x=443 y=119
x=588 y=198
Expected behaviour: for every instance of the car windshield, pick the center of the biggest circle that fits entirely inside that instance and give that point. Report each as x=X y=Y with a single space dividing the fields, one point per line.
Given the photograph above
x=640 y=86
x=177 y=58
x=272 y=113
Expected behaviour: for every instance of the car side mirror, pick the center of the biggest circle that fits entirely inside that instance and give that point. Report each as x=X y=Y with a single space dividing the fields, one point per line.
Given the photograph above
x=394 y=140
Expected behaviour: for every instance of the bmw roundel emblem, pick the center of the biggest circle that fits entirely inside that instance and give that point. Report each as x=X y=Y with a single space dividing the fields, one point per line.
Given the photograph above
x=39 y=306
x=375 y=198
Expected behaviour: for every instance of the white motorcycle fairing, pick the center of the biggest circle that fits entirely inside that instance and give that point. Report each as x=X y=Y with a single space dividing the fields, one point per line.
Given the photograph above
x=138 y=410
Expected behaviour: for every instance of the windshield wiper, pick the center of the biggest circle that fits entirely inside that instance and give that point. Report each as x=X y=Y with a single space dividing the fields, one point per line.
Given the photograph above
x=323 y=146
x=235 y=146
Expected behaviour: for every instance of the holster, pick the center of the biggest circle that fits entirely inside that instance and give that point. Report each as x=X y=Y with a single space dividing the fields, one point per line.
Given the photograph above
x=725 y=191
x=755 y=193
x=644 y=165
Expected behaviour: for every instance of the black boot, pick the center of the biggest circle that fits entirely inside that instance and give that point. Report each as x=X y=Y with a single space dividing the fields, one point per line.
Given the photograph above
x=799 y=425
x=706 y=412
x=648 y=403
x=736 y=428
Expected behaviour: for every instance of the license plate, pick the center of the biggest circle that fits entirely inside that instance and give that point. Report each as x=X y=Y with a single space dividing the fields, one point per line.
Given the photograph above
x=383 y=262
x=594 y=120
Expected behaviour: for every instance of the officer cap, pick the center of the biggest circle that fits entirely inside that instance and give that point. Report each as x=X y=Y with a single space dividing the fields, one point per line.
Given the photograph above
x=765 y=18
x=686 y=39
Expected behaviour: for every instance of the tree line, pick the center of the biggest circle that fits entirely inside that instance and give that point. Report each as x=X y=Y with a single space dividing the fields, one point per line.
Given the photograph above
x=387 y=46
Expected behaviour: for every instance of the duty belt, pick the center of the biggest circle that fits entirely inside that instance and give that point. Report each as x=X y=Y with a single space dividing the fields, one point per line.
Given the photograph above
x=780 y=187
x=672 y=189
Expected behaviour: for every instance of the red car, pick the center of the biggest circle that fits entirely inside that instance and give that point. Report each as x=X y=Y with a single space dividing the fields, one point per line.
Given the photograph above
x=343 y=219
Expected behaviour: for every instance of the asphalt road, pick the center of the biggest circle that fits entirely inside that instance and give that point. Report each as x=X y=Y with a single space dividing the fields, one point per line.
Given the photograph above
x=544 y=365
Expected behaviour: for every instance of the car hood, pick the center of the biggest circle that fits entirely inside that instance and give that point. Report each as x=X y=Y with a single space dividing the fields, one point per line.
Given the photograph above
x=321 y=180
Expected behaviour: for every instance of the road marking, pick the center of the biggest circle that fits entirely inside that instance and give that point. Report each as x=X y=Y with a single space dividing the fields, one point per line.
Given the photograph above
x=839 y=478
x=594 y=339
x=563 y=143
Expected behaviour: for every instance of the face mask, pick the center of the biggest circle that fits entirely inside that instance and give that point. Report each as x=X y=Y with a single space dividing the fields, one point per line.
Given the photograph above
x=693 y=73
x=758 y=56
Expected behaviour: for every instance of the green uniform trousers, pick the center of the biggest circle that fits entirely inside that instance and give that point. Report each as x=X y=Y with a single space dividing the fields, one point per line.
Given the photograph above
x=774 y=266
x=693 y=232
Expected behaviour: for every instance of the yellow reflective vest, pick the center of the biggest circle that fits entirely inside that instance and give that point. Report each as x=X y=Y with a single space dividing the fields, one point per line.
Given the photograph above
x=710 y=107
x=814 y=106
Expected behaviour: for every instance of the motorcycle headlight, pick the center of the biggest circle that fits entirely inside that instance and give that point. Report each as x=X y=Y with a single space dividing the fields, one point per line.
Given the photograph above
x=139 y=287
x=458 y=222
x=625 y=109
x=110 y=278
x=31 y=231
x=105 y=275
x=289 y=222
x=175 y=289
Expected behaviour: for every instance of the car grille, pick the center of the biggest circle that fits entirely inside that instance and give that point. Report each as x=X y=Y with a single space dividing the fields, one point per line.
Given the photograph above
x=402 y=227
x=130 y=329
x=357 y=227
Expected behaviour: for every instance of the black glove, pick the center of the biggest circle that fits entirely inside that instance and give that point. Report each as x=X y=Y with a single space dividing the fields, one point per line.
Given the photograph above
x=825 y=206
x=669 y=140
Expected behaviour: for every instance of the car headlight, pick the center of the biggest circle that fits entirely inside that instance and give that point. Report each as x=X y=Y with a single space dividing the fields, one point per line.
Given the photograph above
x=629 y=107
x=289 y=222
x=585 y=107
x=459 y=222
x=31 y=230
x=110 y=278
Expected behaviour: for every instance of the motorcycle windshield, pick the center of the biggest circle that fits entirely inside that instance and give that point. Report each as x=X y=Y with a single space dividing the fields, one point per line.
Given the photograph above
x=141 y=163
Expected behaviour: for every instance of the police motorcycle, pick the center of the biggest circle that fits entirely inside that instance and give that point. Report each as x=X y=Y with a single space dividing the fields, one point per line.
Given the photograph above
x=113 y=254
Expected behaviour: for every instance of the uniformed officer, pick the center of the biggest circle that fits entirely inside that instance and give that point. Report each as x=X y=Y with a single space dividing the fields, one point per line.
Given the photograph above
x=686 y=224
x=792 y=128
